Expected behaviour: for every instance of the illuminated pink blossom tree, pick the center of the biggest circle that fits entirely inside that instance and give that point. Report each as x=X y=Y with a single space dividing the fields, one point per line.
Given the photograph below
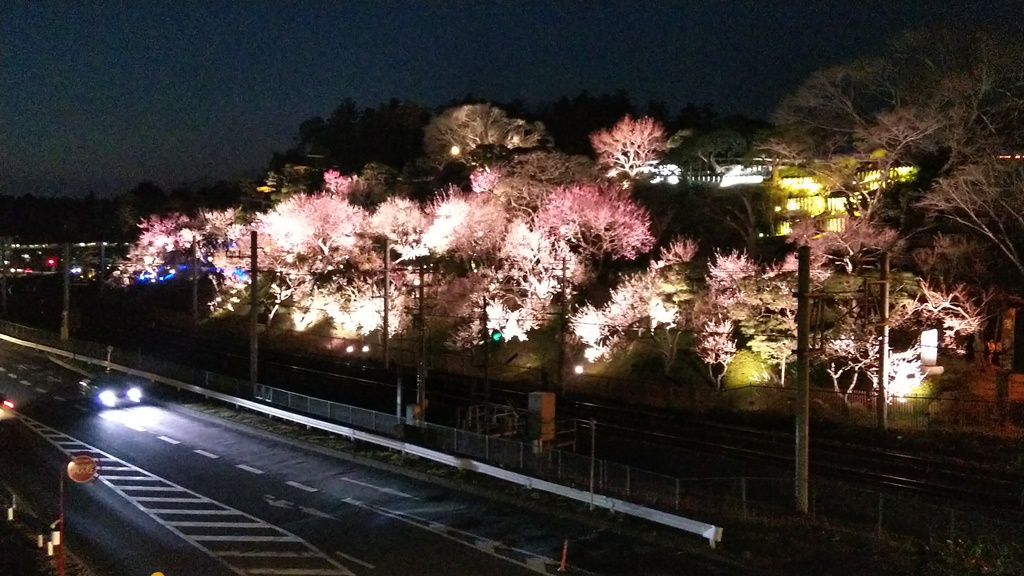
x=403 y=222
x=305 y=238
x=655 y=303
x=596 y=221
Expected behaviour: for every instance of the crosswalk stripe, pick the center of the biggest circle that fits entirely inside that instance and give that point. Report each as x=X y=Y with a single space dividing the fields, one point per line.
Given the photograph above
x=220 y=538
x=193 y=524
x=233 y=525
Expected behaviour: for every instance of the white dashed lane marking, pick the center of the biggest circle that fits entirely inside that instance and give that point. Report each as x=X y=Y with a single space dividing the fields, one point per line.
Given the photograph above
x=249 y=469
x=136 y=428
x=385 y=490
x=41 y=390
x=59 y=398
x=25 y=383
x=246 y=544
x=205 y=453
x=302 y=486
x=168 y=440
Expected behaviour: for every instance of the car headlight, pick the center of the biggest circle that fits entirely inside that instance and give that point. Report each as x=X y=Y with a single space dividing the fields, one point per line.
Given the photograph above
x=108 y=398
x=134 y=394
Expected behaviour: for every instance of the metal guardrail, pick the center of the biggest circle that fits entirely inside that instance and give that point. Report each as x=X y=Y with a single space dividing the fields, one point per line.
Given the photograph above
x=710 y=532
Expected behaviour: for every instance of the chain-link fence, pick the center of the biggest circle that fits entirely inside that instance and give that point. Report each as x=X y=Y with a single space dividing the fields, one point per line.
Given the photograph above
x=707 y=498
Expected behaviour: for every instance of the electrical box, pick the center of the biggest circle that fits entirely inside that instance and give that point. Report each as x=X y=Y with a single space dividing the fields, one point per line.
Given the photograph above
x=541 y=417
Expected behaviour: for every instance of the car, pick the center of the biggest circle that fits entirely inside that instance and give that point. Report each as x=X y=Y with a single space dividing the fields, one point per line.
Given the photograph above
x=112 y=390
x=6 y=408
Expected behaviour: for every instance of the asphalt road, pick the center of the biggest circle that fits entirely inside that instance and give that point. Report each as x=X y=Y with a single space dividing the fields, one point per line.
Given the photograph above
x=190 y=495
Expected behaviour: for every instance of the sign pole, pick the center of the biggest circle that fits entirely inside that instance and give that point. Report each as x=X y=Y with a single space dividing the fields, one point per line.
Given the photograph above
x=60 y=569
x=81 y=469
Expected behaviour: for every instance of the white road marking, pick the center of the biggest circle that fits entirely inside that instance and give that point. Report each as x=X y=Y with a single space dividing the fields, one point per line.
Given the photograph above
x=205 y=453
x=265 y=554
x=167 y=499
x=60 y=398
x=315 y=512
x=509 y=554
x=380 y=488
x=189 y=508
x=25 y=382
x=249 y=469
x=302 y=486
x=356 y=560
x=218 y=524
x=82 y=408
x=269 y=499
x=193 y=512
x=12 y=374
x=2 y=369
x=246 y=539
x=168 y=440
x=42 y=390
x=136 y=428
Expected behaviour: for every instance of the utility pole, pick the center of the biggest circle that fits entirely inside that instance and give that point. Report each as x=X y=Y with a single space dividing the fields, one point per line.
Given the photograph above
x=66 y=311
x=254 y=311
x=103 y=267
x=195 y=283
x=487 y=361
x=387 y=304
x=563 y=315
x=3 y=278
x=421 y=361
x=801 y=473
x=883 y=346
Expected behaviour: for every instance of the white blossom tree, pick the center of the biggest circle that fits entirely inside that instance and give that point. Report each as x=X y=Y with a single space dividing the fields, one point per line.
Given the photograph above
x=716 y=347
x=458 y=131
x=631 y=146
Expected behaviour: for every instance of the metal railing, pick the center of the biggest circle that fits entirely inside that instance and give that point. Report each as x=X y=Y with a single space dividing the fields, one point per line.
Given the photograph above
x=718 y=497
x=453 y=443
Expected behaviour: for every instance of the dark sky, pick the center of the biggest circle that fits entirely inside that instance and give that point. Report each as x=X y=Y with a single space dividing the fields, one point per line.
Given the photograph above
x=101 y=95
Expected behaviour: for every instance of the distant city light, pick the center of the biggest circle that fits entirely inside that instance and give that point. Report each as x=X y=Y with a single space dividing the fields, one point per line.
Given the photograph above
x=366 y=348
x=578 y=369
x=350 y=349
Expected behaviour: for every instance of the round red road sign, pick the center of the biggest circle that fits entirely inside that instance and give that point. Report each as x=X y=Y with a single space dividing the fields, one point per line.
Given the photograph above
x=82 y=469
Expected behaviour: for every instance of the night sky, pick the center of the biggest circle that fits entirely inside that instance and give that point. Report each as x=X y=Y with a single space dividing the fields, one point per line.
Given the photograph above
x=98 y=96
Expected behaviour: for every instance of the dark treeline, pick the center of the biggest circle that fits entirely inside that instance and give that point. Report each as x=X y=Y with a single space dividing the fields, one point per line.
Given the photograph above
x=350 y=139
x=391 y=133
x=34 y=219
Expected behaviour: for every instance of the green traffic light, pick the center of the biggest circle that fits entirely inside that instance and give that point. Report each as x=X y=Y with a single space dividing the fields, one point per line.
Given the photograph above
x=496 y=336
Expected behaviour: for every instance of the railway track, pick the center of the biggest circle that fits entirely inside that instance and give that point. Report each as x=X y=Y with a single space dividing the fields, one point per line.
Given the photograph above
x=653 y=440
